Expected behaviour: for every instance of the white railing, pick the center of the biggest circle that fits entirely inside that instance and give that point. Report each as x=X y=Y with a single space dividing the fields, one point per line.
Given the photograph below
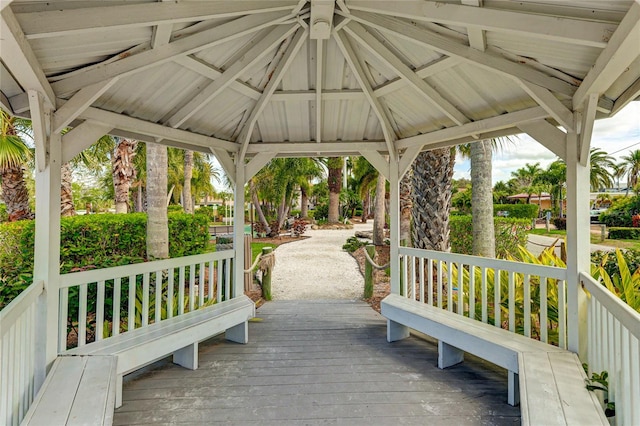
x=22 y=362
x=503 y=293
x=613 y=333
x=97 y=304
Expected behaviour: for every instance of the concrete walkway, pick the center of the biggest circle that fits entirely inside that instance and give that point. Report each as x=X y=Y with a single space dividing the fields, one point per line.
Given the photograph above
x=318 y=268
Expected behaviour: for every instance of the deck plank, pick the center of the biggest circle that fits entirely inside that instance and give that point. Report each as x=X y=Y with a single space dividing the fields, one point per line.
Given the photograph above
x=319 y=362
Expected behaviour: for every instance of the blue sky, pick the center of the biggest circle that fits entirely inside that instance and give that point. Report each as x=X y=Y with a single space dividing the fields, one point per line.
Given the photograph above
x=613 y=134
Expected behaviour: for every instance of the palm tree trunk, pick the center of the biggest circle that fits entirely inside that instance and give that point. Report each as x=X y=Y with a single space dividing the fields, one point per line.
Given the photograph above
x=482 y=199
x=334 y=166
x=258 y=206
x=432 y=175
x=304 y=202
x=378 y=215
x=365 y=209
x=187 y=201
x=406 y=205
x=15 y=194
x=157 y=220
x=66 y=197
x=123 y=172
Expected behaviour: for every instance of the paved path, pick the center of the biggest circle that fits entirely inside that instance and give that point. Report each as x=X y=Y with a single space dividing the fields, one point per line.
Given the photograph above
x=537 y=243
x=317 y=267
x=319 y=363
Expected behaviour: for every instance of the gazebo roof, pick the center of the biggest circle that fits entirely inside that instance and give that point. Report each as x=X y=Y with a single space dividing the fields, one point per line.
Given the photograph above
x=320 y=77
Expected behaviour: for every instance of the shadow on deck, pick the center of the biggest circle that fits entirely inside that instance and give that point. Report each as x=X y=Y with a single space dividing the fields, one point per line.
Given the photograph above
x=319 y=362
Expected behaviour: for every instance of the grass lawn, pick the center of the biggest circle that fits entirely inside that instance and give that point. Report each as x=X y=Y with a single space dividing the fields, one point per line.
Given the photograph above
x=595 y=239
x=256 y=249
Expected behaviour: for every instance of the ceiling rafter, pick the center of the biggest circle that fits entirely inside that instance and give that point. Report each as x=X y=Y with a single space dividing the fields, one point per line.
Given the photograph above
x=283 y=65
x=360 y=34
x=180 y=47
x=262 y=47
x=477 y=36
x=91 y=19
x=82 y=137
x=161 y=32
x=358 y=71
x=313 y=147
x=567 y=30
x=548 y=135
x=550 y=103
x=319 y=80
x=488 y=60
x=78 y=103
x=623 y=48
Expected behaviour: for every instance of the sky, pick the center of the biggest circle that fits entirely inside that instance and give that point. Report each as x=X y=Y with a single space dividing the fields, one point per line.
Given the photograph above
x=617 y=136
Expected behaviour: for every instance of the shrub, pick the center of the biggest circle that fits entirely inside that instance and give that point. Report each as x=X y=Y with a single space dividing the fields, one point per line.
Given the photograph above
x=206 y=211
x=352 y=244
x=517 y=211
x=4 y=216
x=175 y=208
x=621 y=212
x=560 y=222
x=625 y=283
x=624 y=233
x=509 y=234
x=321 y=211
x=631 y=258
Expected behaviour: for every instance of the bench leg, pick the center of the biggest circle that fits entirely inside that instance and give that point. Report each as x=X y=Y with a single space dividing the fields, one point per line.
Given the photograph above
x=448 y=355
x=238 y=333
x=119 y=390
x=187 y=357
x=513 y=389
x=396 y=331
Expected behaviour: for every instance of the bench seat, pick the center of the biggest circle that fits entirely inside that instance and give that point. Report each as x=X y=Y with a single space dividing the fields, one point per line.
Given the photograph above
x=77 y=391
x=546 y=380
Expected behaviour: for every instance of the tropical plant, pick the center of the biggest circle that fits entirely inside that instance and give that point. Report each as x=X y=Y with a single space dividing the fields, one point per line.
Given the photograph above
x=631 y=163
x=625 y=284
x=599 y=174
x=365 y=177
x=526 y=177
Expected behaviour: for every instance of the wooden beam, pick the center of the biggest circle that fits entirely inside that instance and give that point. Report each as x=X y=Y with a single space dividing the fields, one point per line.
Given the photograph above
x=623 y=48
x=553 y=28
x=550 y=103
x=380 y=163
x=256 y=164
x=41 y=124
x=369 y=42
x=161 y=32
x=276 y=77
x=81 y=138
x=313 y=147
x=20 y=60
x=548 y=135
x=358 y=71
x=226 y=162
x=632 y=93
x=4 y=3
x=477 y=36
x=78 y=103
x=77 y=21
x=181 y=47
x=477 y=127
x=407 y=159
x=490 y=60
x=319 y=81
x=5 y=104
x=123 y=122
x=586 y=130
x=262 y=47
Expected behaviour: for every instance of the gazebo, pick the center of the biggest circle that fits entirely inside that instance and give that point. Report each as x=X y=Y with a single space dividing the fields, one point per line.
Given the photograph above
x=252 y=80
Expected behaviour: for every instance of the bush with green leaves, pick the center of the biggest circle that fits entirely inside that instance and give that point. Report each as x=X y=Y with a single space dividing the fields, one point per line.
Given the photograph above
x=631 y=259
x=624 y=233
x=560 y=223
x=625 y=283
x=517 y=211
x=321 y=211
x=621 y=212
x=352 y=244
x=509 y=234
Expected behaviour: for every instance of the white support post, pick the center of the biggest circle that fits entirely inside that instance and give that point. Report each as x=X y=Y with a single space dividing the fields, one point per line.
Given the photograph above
x=578 y=242
x=394 y=224
x=238 y=230
x=47 y=235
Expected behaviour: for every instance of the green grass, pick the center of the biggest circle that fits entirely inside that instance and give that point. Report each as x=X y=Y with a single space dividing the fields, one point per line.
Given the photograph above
x=595 y=239
x=551 y=233
x=256 y=249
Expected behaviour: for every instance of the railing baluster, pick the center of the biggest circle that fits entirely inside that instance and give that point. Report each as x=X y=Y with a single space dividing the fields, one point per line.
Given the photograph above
x=219 y=281
x=227 y=279
x=145 y=299
x=63 y=315
x=543 y=310
x=192 y=287
x=450 y=286
x=512 y=302
x=82 y=315
x=413 y=277
x=100 y=311
x=131 y=311
x=181 y=279
x=115 y=325
x=472 y=291
x=497 y=312
x=440 y=284
x=527 y=305
x=634 y=395
x=403 y=281
x=460 y=289
x=421 y=275
x=562 y=314
x=485 y=301
x=210 y=293
x=625 y=383
x=430 y=281
x=158 y=294
x=201 y=285
x=170 y=278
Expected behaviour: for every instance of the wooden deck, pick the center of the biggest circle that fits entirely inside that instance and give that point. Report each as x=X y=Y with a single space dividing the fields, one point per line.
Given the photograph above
x=319 y=362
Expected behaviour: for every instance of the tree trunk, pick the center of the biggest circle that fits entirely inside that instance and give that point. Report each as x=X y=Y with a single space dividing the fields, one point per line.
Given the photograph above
x=258 y=206
x=482 y=199
x=365 y=209
x=66 y=198
x=334 y=166
x=378 y=213
x=406 y=205
x=123 y=172
x=187 y=201
x=157 y=221
x=15 y=194
x=432 y=175
x=304 y=203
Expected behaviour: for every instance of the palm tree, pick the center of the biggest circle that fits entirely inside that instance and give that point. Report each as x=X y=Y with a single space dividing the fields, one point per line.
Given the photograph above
x=187 y=201
x=379 y=209
x=157 y=221
x=599 y=174
x=525 y=177
x=432 y=176
x=632 y=167
x=555 y=176
x=334 y=167
x=482 y=198
x=406 y=205
x=618 y=171
x=14 y=153
x=365 y=176
x=123 y=171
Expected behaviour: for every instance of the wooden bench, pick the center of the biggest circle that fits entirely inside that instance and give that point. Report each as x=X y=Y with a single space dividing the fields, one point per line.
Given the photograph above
x=77 y=391
x=547 y=381
x=178 y=336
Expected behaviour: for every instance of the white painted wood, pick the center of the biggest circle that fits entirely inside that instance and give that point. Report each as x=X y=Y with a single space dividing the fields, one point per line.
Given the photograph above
x=559 y=29
x=192 y=289
x=41 y=124
x=548 y=135
x=256 y=164
x=187 y=357
x=378 y=162
x=394 y=223
x=623 y=48
x=311 y=148
x=236 y=278
x=158 y=297
x=396 y=331
x=448 y=355
x=78 y=103
x=181 y=47
x=319 y=82
x=626 y=97
x=131 y=311
x=145 y=299
x=82 y=137
x=513 y=393
x=99 y=331
x=115 y=314
x=550 y=103
x=238 y=333
x=586 y=128
x=226 y=162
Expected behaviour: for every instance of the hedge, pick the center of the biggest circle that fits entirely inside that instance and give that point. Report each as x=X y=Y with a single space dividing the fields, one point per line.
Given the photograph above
x=93 y=242
x=624 y=233
x=509 y=234
x=517 y=211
